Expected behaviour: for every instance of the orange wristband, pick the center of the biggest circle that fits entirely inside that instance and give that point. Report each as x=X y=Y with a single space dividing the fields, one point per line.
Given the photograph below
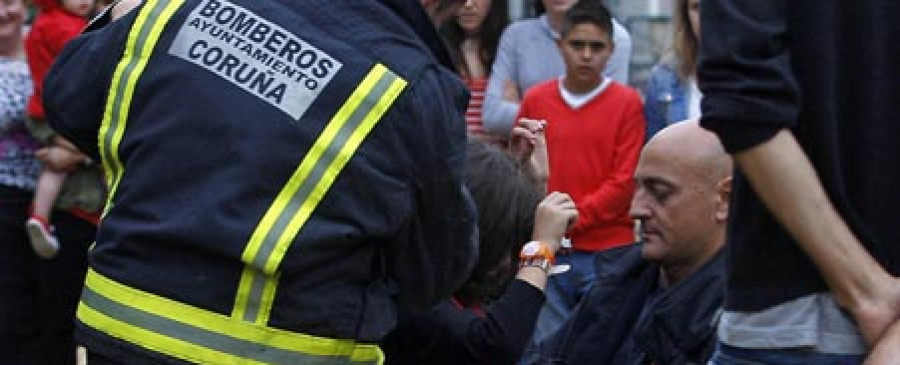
x=536 y=254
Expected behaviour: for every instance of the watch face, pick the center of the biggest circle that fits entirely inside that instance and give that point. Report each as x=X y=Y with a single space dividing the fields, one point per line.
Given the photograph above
x=531 y=248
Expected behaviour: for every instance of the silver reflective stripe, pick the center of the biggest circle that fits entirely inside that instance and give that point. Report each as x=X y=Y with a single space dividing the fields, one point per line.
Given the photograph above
x=254 y=299
x=202 y=337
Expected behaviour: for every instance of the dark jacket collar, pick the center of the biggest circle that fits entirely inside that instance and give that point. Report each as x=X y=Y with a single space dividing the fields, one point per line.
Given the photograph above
x=679 y=329
x=683 y=321
x=602 y=321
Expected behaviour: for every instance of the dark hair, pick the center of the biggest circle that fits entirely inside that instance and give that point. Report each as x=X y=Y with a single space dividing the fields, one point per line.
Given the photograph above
x=538 y=7
x=496 y=20
x=587 y=11
x=505 y=199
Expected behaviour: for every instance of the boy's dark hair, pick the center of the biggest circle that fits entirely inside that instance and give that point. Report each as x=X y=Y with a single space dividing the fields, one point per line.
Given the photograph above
x=587 y=11
x=505 y=199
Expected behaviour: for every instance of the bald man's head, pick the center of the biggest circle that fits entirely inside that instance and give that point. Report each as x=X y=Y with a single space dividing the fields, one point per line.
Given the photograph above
x=683 y=184
x=687 y=142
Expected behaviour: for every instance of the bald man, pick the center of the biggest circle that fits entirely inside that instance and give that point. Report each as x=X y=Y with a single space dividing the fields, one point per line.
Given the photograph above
x=656 y=301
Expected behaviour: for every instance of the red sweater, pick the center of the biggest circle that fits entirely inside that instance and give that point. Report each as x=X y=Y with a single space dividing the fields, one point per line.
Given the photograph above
x=52 y=29
x=593 y=152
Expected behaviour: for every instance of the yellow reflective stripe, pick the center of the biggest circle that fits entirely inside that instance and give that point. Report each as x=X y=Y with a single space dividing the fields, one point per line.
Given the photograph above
x=307 y=186
x=245 y=285
x=332 y=172
x=306 y=166
x=195 y=334
x=141 y=41
x=154 y=341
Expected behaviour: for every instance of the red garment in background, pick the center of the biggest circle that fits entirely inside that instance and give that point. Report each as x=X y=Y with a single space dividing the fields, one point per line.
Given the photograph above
x=52 y=29
x=592 y=152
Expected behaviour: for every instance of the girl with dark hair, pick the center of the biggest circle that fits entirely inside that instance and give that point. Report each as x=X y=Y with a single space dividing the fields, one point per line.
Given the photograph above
x=491 y=318
x=472 y=38
x=505 y=199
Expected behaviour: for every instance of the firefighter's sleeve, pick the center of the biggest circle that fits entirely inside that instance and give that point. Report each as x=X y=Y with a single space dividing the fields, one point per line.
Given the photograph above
x=435 y=252
x=76 y=86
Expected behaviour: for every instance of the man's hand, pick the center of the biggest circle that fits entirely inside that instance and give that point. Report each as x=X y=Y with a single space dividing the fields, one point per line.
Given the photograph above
x=878 y=310
x=887 y=349
x=553 y=217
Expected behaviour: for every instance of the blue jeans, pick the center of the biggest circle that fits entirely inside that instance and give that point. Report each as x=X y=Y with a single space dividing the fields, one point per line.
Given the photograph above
x=727 y=355
x=564 y=291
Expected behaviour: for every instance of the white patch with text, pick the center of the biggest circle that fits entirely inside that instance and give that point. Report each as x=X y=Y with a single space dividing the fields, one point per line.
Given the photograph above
x=255 y=54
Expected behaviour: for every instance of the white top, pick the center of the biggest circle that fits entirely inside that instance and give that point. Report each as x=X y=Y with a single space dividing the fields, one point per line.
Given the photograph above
x=576 y=101
x=694 y=97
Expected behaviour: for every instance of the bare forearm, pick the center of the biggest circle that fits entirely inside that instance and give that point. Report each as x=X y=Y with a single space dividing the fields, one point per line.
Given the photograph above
x=783 y=177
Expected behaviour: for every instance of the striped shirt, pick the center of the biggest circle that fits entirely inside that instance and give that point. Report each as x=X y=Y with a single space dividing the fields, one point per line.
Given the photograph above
x=474 y=126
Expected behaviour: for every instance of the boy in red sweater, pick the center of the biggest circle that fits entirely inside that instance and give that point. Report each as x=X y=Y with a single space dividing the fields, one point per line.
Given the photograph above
x=594 y=132
x=57 y=22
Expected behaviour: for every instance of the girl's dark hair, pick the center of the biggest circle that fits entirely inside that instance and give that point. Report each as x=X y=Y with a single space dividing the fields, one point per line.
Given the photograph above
x=489 y=35
x=505 y=199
